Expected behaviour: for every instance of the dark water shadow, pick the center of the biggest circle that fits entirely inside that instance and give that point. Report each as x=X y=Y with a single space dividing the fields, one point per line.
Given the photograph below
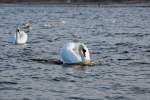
x=47 y=61
x=7 y=82
x=58 y=62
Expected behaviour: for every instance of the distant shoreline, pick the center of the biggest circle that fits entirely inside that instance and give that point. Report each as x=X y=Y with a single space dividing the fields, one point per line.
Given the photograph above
x=74 y=2
x=98 y=4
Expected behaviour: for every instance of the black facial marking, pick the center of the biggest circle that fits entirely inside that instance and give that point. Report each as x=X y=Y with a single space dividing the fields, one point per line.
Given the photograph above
x=17 y=30
x=83 y=50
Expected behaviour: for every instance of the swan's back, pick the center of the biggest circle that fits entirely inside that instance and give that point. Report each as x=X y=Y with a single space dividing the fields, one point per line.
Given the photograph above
x=69 y=54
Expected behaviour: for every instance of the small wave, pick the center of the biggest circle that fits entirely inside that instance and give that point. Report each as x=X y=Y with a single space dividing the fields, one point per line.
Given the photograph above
x=26 y=99
x=57 y=91
x=34 y=42
x=7 y=82
x=124 y=52
x=9 y=88
x=147 y=50
x=123 y=59
x=124 y=44
x=140 y=63
x=139 y=90
x=81 y=98
x=63 y=79
x=118 y=98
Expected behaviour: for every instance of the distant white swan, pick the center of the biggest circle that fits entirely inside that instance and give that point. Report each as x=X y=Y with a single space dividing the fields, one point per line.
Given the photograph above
x=20 y=37
x=74 y=53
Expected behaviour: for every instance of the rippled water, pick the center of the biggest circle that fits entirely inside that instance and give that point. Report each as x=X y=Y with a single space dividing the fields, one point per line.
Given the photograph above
x=118 y=37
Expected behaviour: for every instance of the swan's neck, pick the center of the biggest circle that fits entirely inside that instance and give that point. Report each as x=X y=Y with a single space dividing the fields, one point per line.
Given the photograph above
x=17 y=37
x=84 y=54
x=83 y=58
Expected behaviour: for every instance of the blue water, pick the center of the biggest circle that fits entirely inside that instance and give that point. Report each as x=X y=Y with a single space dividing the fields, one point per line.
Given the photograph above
x=117 y=37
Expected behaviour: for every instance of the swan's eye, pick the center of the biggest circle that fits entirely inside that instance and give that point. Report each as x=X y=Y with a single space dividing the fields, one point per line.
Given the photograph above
x=17 y=30
x=83 y=50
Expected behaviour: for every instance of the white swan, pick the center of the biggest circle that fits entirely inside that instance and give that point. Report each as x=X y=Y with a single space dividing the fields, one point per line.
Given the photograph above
x=20 y=37
x=74 y=53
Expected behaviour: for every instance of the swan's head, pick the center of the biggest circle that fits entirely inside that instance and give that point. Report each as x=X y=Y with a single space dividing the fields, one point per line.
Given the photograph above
x=17 y=30
x=84 y=52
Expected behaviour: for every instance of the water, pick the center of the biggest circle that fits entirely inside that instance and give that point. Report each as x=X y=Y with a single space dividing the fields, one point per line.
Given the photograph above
x=117 y=37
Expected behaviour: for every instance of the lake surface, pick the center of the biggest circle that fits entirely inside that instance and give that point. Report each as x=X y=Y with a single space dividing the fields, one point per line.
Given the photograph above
x=117 y=36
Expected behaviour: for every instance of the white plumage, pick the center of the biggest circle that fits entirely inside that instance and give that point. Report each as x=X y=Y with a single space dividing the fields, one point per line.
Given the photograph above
x=74 y=53
x=20 y=37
